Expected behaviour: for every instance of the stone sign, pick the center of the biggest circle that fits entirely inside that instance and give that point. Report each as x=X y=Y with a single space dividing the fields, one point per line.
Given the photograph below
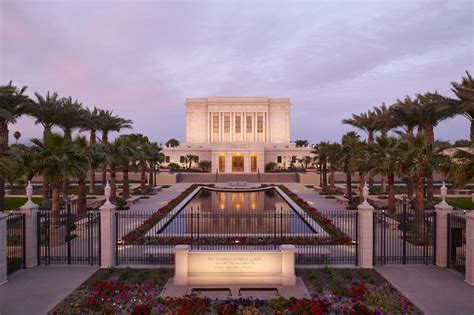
x=235 y=267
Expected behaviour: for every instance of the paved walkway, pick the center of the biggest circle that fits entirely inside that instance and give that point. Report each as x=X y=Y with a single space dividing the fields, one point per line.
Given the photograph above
x=434 y=290
x=36 y=291
x=160 y=199
x=313 y=198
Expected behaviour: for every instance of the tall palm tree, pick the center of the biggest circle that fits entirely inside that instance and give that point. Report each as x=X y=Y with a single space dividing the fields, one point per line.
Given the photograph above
x=45 y=110
x=56 y=158
x=13 y=104
x=461 y=168
x=349 y=151
x=368 y=123
x=465 y=93
x=321 y=150
x=333 y=160
x=171 y=143
x=405 y=114
x=118 y=155
x=108 y=122
x=434 y=108
x=386 y=156
x=153 y=156
x=70 y=117
x=91 y=124
x=419 y=158
x=139 y=142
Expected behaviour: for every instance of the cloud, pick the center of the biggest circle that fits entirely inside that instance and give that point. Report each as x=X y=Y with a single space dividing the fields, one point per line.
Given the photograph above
x=143 y=58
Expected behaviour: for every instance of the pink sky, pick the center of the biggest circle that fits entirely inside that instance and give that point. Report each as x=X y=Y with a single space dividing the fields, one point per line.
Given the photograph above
x=143 y=58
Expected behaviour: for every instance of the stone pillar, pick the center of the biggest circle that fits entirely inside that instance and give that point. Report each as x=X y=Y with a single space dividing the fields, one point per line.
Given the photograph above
x=3 y=248
x=366 y=231
x=442 y=211
x=228 y=163
x=288 y=265
x=108 y=238
x=181 y=265
x=30 y=210
x=470 y=248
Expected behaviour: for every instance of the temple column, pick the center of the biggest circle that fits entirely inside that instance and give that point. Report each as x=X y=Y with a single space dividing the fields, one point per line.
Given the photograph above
x=221 y=127
x=254 y=129
x=244 y=127
x=232 y=123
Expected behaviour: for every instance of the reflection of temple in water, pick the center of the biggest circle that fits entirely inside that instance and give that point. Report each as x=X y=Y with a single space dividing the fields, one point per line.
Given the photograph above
x=239 y=213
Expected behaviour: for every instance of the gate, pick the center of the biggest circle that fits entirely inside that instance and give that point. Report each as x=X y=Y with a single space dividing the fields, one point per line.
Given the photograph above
x=69 y=238
x=457 y=241
x=404 y=237
x=15 y=242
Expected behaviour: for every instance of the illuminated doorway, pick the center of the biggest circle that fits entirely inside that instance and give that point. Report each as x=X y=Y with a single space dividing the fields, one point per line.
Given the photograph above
x=237 y=163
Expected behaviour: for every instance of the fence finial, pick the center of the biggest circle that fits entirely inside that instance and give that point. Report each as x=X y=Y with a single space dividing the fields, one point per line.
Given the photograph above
x=29 y=194
x=107 y=191
x=365 y=192
x=444 y=191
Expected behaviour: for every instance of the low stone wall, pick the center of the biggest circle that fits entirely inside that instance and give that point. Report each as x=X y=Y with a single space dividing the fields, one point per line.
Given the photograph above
x=166 y=179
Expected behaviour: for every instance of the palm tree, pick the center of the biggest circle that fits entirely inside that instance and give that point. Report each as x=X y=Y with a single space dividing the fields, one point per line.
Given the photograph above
x=433 y=108
x=368 y=123
x=461 y=168
x=91 y=124
x=119 y=153
x=13 y=104
x=56 y=158
x=71 y=116
x=108 y=122
x=363 y=163
x=418 y=159
x=139 y=142
x=387 y=161
x=45 y=111
x=333 y=160
x=465 y=93
x=349 y=151
x=171 y=143
x=154 y=156
x=321 y=150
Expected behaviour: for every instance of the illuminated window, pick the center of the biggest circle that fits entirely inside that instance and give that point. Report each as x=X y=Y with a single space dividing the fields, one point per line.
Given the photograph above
x=226 y=123
x=248 y=123
x=215 y=123
x=253 y=163
x=221 y=163
x=279 y=159
x=260 y=124
x=238 y=124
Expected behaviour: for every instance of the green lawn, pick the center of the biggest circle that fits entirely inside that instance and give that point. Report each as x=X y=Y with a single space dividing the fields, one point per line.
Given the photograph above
x=17 y=202
x=459 y=202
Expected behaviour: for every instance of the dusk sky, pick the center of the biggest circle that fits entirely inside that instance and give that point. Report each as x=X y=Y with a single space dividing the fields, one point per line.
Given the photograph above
x=143 y=58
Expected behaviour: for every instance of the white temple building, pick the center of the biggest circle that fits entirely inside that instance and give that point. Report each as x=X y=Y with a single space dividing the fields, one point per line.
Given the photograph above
x=238 y=134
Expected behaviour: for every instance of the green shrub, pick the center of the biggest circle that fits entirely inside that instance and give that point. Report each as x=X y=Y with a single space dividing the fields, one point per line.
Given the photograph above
x=124 y=275
x=270 y=166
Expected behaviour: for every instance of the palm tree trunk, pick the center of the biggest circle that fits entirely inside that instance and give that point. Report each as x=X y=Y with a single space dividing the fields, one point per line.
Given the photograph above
x=150 y=177
x=325 y=179
x=3 y=148
x=92 y=141
x=45 y=183
x=348 y=184
x=143 y=179
x=81 y=195
x=126 y=184
x=420 y=200
x=55 y=207
x=67 y=136
x=429 y=136
x=384 y=183
x=105 y=140
x=391 y=192
x=113 y=183
x=332 y=178
x=370 y=141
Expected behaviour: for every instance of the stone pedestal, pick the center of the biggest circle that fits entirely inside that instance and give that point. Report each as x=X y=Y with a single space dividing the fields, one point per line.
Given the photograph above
x=107 y=235
x=442 y=211
x=366 y=235
x=3 y=248
x=288 y=265
x=30 y=210
x=470 y=248
x=181 y=265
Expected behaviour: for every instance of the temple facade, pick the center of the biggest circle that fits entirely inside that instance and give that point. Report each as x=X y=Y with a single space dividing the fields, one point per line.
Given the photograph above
x=238 y=134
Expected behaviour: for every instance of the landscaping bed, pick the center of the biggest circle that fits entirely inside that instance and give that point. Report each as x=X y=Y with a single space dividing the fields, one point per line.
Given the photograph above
x=333 y=291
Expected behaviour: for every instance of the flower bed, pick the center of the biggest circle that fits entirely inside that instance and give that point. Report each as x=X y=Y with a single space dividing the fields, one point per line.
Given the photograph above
x=136 y=291
x=137 y=236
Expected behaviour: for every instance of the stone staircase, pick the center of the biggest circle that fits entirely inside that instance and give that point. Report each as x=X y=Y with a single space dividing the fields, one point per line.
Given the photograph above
x=250 y=178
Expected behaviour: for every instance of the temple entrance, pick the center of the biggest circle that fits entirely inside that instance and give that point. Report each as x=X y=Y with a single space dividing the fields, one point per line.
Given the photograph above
x=237 y=163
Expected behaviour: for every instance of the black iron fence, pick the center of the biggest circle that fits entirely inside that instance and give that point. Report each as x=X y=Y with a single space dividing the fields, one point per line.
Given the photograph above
x=69 y=238
x=15 y=242
x=328 y=237
x=404 y=236
x=457 y=241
